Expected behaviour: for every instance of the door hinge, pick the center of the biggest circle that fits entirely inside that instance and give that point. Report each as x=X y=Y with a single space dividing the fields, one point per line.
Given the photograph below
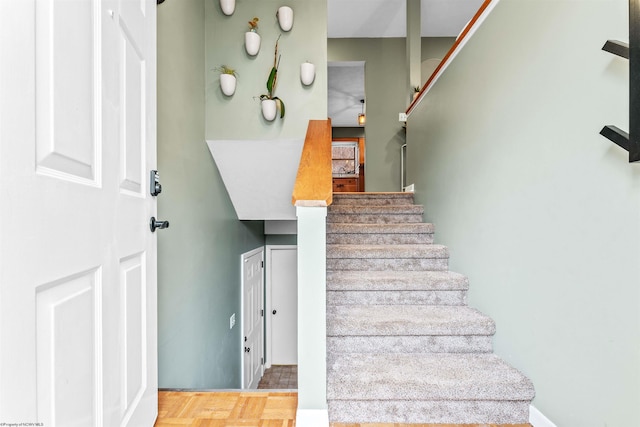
x=261 y=313
x=262 y=264
x=262 y=360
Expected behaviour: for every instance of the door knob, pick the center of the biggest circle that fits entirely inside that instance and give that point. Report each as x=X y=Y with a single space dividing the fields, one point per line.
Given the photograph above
x=153 y=224
x=273 y=312
x=247 y=349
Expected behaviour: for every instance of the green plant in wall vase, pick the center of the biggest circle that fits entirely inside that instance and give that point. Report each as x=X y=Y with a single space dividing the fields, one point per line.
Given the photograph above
x=269 y=102
x=252 y=38
x=228 y=79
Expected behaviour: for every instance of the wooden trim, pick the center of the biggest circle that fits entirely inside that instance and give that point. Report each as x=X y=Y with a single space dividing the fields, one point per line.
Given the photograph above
x=313 y=186
x=460 y=41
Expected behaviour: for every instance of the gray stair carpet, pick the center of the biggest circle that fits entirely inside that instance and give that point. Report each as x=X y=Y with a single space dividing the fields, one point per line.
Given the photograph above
x=402 y=344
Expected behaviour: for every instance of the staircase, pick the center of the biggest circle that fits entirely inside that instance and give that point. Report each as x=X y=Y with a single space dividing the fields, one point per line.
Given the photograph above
x=402 y=344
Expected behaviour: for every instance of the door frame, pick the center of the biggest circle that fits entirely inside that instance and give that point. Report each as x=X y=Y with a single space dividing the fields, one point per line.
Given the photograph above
x=269 y=302
x=243 y=257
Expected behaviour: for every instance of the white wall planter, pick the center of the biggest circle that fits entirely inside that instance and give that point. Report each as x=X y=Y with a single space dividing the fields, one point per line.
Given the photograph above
x=252 y=42
x=269 y=109
x=307 y=73
x=228 y=84
x=228 y=6
x=285 y=18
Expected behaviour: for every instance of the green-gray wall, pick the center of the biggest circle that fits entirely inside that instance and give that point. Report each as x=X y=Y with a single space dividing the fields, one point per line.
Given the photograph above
x=199 y=255
x=539 y=210
x=239 y=116
x=386 y=82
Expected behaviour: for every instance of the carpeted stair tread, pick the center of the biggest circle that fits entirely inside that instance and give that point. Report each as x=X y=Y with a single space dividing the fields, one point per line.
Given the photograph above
x=396 y=280
x=388 y=320
x=372 y=198
x=387 y=251
x=425 y=377
x=376 y=209
x=355 y=228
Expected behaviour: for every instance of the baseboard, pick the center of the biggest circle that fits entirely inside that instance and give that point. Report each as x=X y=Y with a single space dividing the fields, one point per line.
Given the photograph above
x=537 y=419
x=312 y=418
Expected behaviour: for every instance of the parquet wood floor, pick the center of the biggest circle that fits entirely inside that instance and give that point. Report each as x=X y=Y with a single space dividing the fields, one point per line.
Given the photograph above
x=246 y=409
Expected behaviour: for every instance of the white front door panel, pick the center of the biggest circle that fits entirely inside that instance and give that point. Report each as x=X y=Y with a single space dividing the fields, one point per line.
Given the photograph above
x=77 y=258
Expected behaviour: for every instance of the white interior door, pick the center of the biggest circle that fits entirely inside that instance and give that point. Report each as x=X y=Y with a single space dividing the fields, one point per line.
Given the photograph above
x=252 y=318
x=283 y=317
x=77 y=257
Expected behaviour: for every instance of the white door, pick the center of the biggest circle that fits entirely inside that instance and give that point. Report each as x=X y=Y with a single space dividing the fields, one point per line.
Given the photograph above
x=284 y=305
x=77 y=258
x=252 y=315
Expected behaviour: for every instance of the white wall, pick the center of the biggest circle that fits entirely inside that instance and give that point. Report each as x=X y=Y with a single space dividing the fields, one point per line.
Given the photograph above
x=541 y=212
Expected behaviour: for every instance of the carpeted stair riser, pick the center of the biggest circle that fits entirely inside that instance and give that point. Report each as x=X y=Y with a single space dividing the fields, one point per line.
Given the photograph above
x=376 y=234
x=408 y=344
x=387 y=257
x=396 y=297
x=372 y=199
x=374 y=214
x=429 y=412
x=413 y=228
x=374 y=218
x=411 y=264
x=408 y=329
x=375 y=210
x=408 y=287
x=380 y=239
x=396 y=281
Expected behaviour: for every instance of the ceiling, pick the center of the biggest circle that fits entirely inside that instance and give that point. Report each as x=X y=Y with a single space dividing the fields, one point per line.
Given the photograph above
x=387 y=18
x=381 y=18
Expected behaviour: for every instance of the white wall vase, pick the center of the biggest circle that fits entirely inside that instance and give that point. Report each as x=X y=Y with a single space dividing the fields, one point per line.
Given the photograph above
x=228 y=84
x=285 y=18
x=252 y=42
x=269 y=109
x=228 y=6
x=307 y=73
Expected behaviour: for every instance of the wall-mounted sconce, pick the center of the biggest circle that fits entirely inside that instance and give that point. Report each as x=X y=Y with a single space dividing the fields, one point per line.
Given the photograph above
x=228 y=6
x=361 y=117
x=285 y=17
x=307 y=73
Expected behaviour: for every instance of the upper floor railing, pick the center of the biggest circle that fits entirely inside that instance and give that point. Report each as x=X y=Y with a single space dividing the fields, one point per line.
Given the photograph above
x=462 y=39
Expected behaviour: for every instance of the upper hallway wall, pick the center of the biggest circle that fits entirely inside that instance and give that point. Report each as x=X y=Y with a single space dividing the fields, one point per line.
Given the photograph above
x=539 y=210
x=239 y=116
x=386 y=78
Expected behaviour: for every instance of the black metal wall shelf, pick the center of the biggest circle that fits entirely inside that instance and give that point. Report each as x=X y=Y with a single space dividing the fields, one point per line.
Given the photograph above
x=616 y=135
x=617 y=48
x=629 y=141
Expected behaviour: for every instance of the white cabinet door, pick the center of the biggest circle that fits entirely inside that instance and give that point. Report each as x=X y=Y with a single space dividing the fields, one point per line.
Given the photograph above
x=252 y=315
x=284 y=306
x=77 y=258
